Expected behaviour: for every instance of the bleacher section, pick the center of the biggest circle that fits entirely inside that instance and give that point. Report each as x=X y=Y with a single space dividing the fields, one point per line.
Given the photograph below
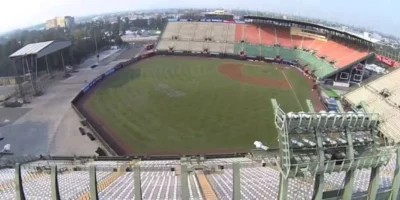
x=297 y=41
x=251 y=34
x=239 y=32
x=198 y=36
x=388 y=107
x=269 y=52
x=324 y=57
x=319 y=67
x=283 y=37
x=158 y=181
x=252 y=50
x=171 y=30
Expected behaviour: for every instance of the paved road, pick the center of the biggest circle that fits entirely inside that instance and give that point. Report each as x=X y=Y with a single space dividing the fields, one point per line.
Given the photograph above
x=49 y=125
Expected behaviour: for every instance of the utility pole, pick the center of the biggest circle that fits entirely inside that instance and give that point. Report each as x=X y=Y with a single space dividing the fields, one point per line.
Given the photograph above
x=95 y=42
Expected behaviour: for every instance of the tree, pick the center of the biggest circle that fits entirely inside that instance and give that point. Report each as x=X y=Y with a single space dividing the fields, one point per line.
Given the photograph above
x=118 y=40
x=82 y=38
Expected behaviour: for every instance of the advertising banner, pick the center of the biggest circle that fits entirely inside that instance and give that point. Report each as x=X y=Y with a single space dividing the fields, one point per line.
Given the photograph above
x=91 y=84
x=110 y=71
x=385 y=60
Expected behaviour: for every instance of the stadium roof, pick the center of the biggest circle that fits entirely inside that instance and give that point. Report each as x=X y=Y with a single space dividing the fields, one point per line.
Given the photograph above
x=41 y=49
x=307 y=24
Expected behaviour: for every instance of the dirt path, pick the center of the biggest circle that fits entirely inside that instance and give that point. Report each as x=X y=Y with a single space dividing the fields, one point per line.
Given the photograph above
x=291 y=88
x=314 y=94
x=234 y=71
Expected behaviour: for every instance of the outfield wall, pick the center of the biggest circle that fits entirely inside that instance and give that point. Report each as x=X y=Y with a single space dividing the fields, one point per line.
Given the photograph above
x=108 y=140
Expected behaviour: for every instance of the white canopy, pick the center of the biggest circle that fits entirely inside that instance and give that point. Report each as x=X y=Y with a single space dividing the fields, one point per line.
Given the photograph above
x=41 y=49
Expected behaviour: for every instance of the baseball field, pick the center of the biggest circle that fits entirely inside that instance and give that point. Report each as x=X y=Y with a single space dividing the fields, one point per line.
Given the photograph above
x=168 y=105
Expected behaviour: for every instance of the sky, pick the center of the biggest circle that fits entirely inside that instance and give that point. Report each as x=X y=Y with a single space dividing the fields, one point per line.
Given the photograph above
x=382 y=15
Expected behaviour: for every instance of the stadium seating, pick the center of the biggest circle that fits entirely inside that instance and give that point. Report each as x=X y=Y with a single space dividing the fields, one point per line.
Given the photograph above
x=252 y=50
x=307 y=42
x=269 y=52
x=202 y=31
x=187 y=30
x=297 y=41
x=164 y=45
x=324 y=47
x=287 y=54
x=390 y=82
x=267 y=34
x=283 y=35
x=238 y=48
x=263 y=180
x=171 y=30
x=316 y=44
x=229 y=48
x=159 y=182
x=230 y=33
x=239 y=32
x=319 y=67
x=325 y=56
x=351 y=57
x=251 y=34
x=387 y=107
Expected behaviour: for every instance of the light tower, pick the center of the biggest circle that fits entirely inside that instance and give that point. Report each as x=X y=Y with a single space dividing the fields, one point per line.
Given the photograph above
x=315 y=144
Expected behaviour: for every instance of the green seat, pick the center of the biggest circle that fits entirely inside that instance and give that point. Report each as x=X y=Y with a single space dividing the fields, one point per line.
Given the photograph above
x=320 y=67
x=252 y=50
x=238 y=47
x=286 y=54
x=269 y=52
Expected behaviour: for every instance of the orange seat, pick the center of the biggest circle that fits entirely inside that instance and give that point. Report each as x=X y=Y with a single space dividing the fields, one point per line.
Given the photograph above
x=307 y=42
x=267 y=35
x=356 y=55
x=316 y=44
x=283 y=35
x=251 y=34
x=326 y=48
x=239 y=32
x=297 y=41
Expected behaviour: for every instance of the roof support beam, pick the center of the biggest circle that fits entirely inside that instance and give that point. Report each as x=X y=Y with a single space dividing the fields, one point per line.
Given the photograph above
x=283 y=187
x=19 y=189
x=396 y=179
x=236 y=181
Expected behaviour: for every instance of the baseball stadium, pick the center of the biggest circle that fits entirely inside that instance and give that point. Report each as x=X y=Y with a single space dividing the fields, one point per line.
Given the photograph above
x=259 y=108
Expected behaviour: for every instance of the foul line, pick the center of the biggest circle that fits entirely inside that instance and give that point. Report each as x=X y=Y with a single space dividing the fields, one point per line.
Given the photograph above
x=291 y=88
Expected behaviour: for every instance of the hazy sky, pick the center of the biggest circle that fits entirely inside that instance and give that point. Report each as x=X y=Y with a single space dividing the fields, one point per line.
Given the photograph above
x=382 y=15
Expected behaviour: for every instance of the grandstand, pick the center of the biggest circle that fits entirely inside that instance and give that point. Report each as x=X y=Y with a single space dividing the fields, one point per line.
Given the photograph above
x=312 y=161
x=381 y=96
x=316 y=51
x=117 y=178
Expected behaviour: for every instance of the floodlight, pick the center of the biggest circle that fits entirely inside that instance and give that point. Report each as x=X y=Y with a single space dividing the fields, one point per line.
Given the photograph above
x=304 y=115
x=292 y=115
x=259 y=145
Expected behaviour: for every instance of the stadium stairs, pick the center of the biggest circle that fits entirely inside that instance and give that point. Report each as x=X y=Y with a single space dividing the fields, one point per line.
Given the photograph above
x=31 y=177
x=205 y=186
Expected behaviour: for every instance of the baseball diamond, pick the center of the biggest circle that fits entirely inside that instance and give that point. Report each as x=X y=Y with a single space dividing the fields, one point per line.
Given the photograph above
x=191 y=105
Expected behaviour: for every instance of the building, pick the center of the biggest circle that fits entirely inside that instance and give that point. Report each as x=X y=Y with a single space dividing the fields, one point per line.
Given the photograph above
x=219 y=15
x=63 y=22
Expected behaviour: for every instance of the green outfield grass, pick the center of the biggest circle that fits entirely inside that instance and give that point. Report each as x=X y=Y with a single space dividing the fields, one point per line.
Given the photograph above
x=177 y=105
